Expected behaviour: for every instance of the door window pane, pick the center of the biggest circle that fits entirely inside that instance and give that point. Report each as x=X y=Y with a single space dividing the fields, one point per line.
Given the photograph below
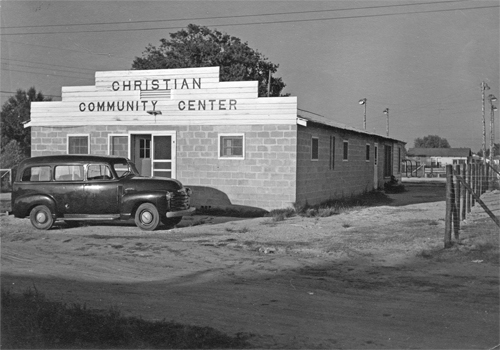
x=163 y=147
x=144 y=148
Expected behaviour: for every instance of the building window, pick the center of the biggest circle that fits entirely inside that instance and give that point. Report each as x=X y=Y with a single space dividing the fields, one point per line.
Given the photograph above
x=118 y=145
x=78 y=144
x=367 y=152
x=375 y=154
x=314 y=148
x=231 y=146
x=332 y=152
x=346 y=150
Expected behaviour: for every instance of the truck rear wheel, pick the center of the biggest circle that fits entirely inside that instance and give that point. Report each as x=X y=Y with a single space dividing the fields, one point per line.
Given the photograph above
x=41 y=217
x=147 y=217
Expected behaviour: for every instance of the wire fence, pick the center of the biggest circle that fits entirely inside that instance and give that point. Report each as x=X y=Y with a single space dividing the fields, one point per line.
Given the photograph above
x=465 y=183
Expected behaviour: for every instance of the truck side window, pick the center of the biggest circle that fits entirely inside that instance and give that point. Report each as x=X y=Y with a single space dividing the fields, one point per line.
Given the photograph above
x=36 y=174
x=98 y=172
x=69 y=173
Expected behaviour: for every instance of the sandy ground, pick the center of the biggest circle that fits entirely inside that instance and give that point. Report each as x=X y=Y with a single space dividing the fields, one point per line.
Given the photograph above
x=373 y=278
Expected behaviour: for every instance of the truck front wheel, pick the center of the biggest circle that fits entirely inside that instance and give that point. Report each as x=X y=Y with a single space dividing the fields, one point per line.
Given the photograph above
x=147 y=217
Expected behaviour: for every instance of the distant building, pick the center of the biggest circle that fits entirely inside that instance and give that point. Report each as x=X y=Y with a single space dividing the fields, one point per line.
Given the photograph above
x=219 y=138
x=440 y=157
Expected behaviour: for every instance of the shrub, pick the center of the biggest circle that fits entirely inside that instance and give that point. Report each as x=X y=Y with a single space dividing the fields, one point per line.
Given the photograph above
x=394 y=186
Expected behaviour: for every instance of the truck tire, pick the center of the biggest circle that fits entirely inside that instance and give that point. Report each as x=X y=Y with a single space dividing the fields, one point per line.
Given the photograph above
x=147 y=217
x=41 y=217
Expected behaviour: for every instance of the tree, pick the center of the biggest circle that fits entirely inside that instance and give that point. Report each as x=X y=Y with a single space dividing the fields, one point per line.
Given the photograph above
x=199 y=46
x=11 y=155
x=431 y=141
x=496 y=151
x=16 y=112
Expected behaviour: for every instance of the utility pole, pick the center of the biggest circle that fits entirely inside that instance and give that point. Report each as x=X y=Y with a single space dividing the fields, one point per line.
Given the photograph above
x=492 y=99
x=363 y=102
x=386 y=112
x=484 y=87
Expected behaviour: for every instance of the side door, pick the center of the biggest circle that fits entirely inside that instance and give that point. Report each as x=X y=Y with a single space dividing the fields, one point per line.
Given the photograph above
x=141 y=153
x=101 y=190
x=163 y=156
x=67 y=188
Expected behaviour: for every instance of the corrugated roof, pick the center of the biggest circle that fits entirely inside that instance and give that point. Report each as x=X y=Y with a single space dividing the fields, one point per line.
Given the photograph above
x=439 y=152
x=316 y=118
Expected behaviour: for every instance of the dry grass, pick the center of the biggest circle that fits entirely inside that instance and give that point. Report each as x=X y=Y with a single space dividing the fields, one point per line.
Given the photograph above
x=29 y=320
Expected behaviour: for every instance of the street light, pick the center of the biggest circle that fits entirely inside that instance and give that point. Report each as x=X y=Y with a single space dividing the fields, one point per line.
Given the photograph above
x=386 y=112
x=363 y=102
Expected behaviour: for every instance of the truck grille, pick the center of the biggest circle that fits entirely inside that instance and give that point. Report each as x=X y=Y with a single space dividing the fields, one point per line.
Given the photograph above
x=181 y=199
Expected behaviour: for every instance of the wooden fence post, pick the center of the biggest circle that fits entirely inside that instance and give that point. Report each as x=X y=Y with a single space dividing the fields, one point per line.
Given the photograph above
x=480 y=180
x=449 y=204
x=474 y=182
x=481 y=203
x=469 y=181
x=456 y=206
x=464 y=193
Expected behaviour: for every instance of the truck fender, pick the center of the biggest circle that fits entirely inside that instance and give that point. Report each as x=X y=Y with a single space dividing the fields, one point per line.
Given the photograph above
x=23 y=204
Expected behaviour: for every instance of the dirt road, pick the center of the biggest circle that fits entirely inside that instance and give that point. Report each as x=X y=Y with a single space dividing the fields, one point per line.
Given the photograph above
x=373 y=278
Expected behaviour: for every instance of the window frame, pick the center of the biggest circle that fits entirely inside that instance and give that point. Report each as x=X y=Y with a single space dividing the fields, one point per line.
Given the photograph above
x=71 y=168
x=110 y=143
x=367 y=152
x=31 y=179
x=314 y=148
x=220 y=146
x=345 y=150
x=77 y=135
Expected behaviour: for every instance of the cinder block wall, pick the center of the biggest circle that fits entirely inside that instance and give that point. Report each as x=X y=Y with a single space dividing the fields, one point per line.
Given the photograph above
x=316 y=181
x=53 y=140
x=265 y=178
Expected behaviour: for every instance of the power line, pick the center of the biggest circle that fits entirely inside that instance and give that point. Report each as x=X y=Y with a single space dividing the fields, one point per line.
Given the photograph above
x=258 y=23
x=233 y=16
x=53 y=69
x=46 y=74
x=65 y=49
x=47 y=64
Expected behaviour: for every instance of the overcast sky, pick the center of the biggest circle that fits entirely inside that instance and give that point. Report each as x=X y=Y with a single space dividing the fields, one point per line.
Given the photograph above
x=424 y=60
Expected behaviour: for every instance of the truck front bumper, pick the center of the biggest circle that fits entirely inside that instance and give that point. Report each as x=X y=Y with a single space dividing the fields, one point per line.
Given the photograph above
x=174 y=214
